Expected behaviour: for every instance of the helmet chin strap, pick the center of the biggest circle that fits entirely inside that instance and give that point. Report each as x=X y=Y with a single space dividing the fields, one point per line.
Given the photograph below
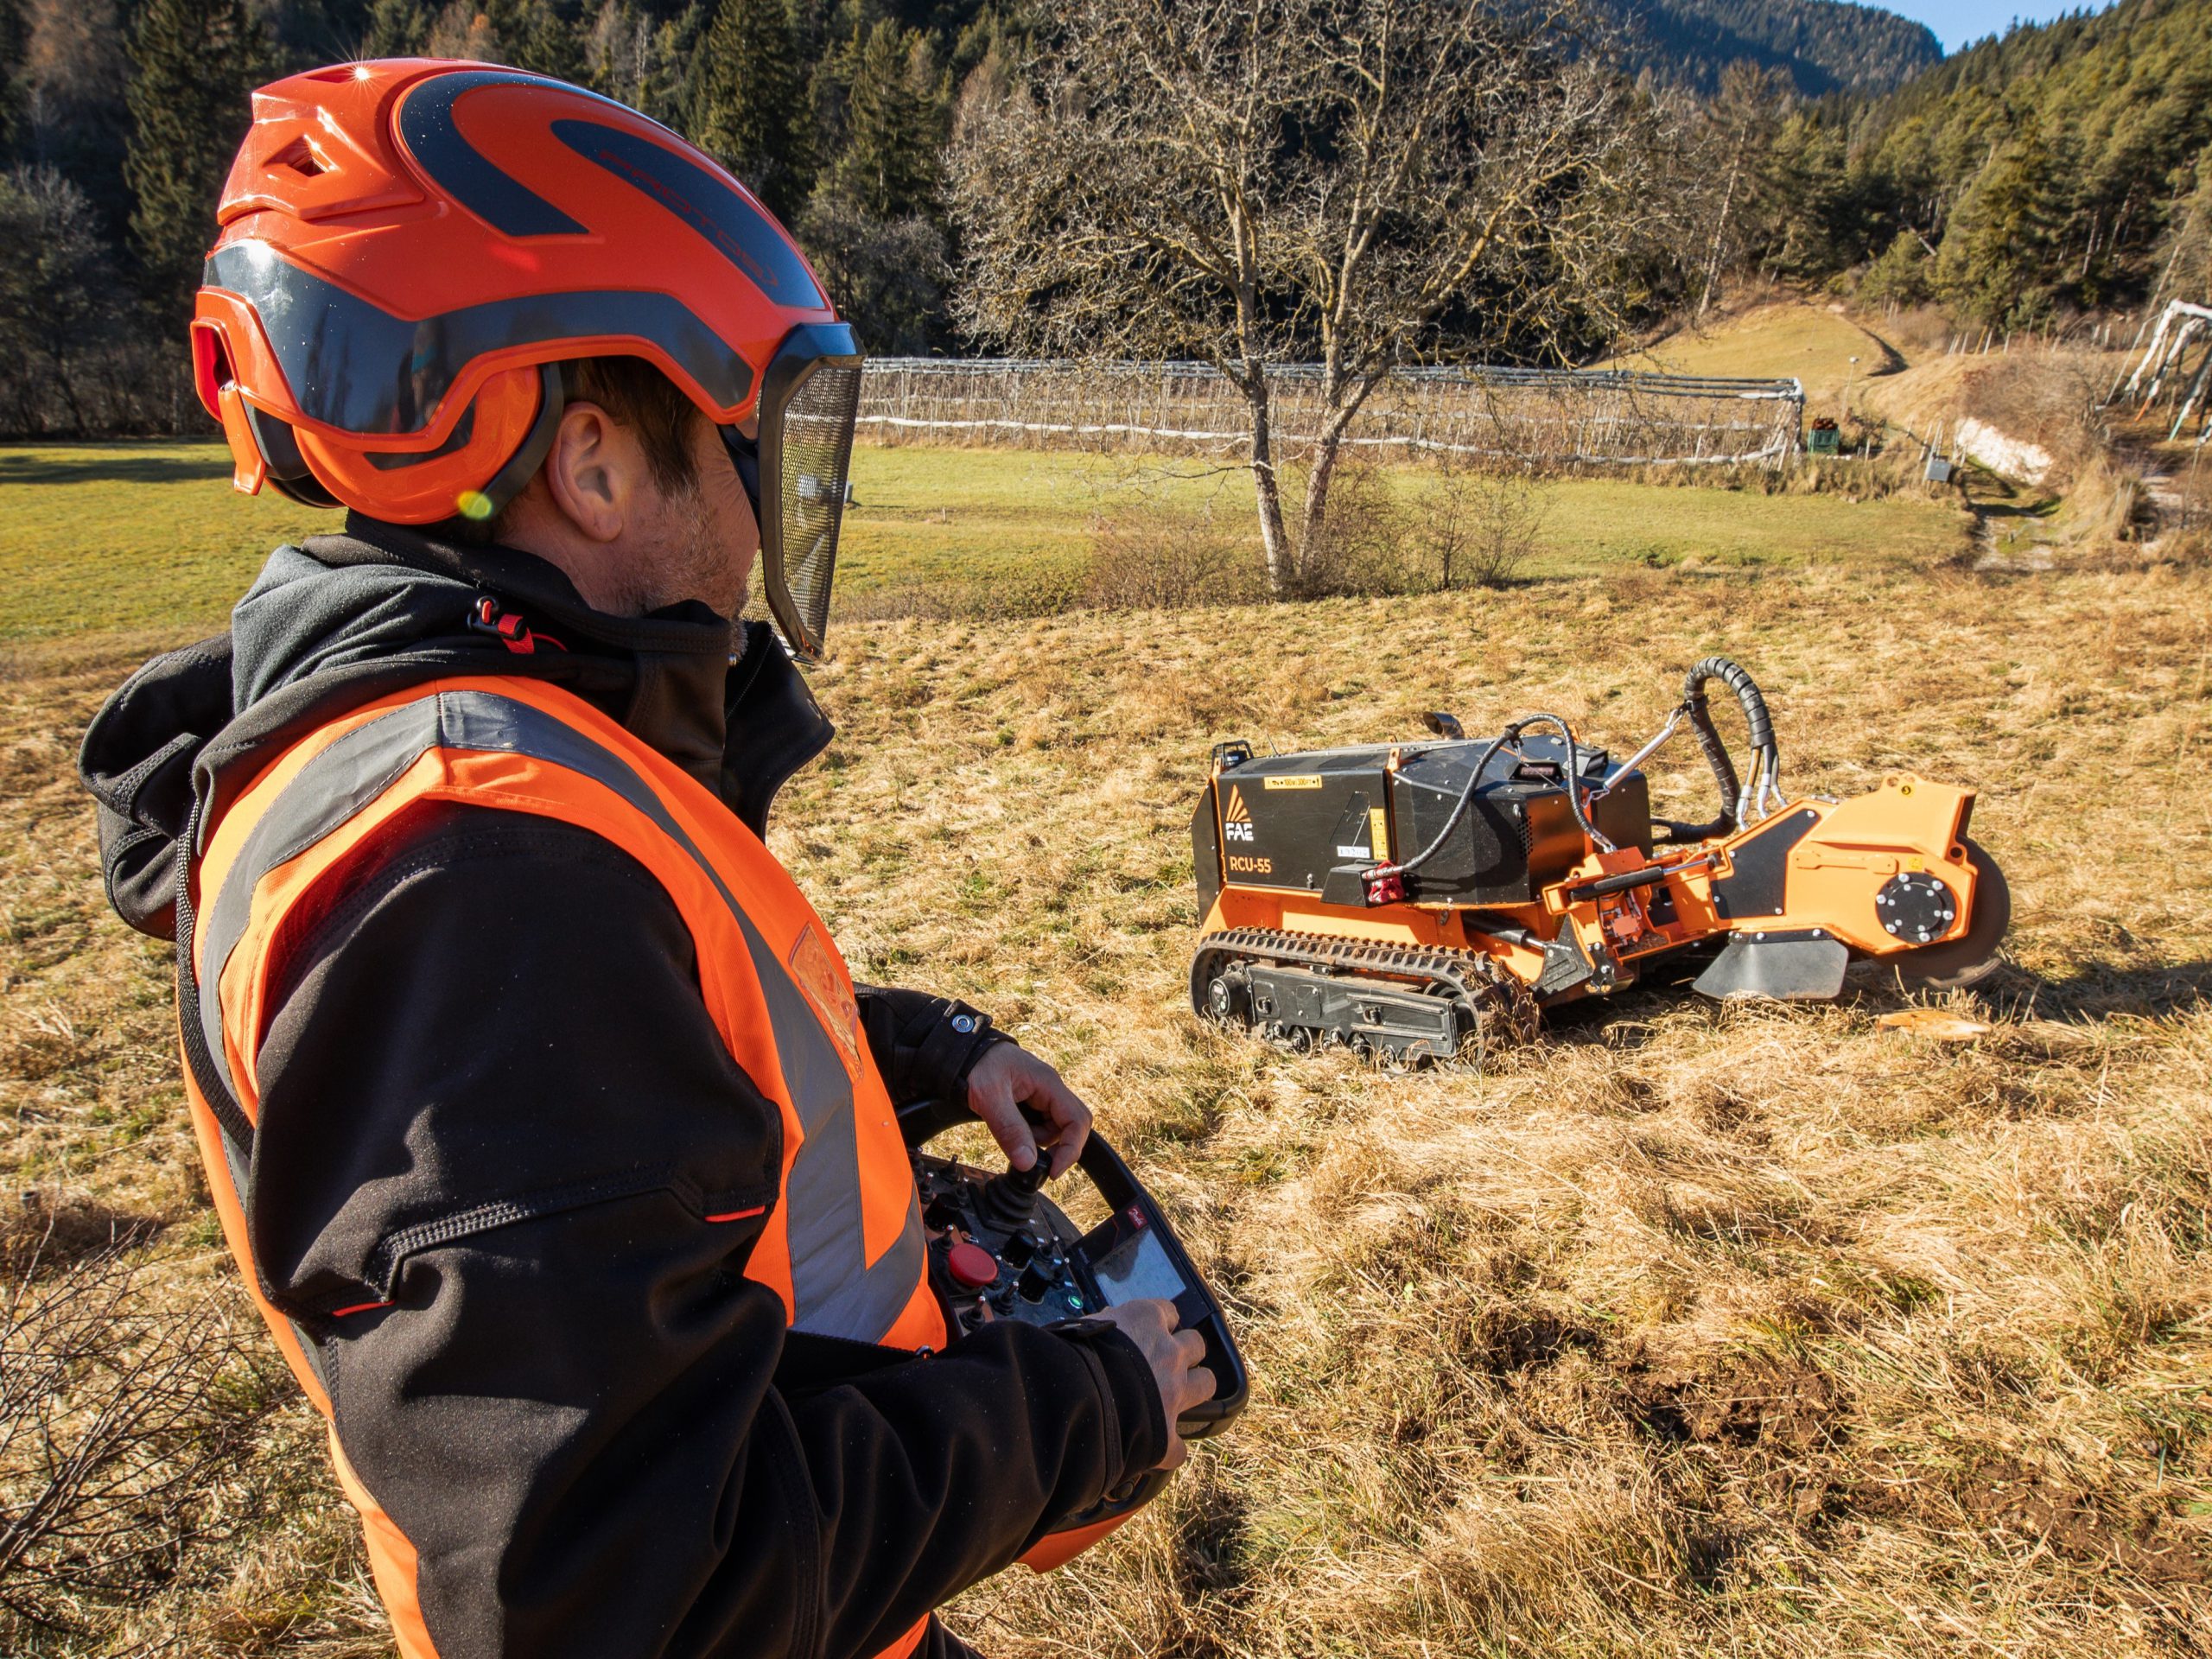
x=745 y=455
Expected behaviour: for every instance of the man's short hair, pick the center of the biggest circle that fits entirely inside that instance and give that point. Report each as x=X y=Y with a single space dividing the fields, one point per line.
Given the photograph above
x=647 y=402
x=639 y=397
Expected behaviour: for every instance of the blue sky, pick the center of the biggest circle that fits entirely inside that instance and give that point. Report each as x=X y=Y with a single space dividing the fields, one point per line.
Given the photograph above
x=1960 y=23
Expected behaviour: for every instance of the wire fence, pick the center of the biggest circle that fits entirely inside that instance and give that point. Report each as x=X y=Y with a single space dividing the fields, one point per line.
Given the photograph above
x=1546 y=417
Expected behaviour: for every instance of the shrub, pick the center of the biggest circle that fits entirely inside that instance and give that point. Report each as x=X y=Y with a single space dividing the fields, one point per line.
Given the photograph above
x=1482 y=528
x=124 y=1410
x=1147 y=556
x=1362 y=547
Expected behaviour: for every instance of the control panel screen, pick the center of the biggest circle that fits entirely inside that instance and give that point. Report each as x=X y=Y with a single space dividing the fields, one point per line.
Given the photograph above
x=1135 y=1268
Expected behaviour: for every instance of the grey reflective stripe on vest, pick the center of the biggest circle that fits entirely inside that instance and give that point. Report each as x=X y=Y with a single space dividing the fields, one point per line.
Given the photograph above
x=835 y=1292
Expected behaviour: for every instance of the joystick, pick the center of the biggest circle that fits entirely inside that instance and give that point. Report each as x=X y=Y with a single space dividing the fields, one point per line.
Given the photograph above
x=1037 y=1278
x=1011 y=1198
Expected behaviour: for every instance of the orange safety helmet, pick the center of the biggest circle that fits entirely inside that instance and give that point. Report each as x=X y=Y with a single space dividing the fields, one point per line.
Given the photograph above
x=408 y=247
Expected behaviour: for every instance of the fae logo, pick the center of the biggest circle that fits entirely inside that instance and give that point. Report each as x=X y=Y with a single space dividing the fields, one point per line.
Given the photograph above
x=1237 y=822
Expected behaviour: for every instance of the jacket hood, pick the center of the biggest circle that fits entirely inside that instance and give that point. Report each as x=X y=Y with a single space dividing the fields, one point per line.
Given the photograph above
x=342 y=620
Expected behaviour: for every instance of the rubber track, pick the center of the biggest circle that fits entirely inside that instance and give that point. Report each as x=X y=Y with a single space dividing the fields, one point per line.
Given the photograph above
x=1501 y=1004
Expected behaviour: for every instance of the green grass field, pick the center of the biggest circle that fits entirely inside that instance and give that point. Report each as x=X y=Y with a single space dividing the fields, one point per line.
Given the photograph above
x=117 y=536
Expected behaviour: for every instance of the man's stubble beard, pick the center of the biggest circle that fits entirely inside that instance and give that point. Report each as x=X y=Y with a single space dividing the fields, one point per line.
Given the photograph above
x=696 y=563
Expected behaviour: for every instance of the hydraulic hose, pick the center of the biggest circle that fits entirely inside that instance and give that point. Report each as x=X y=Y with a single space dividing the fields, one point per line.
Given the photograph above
x=1572 y=778
x=1766 y=764
x=1510 y=734
x=1768 y=760
x=1459 y=807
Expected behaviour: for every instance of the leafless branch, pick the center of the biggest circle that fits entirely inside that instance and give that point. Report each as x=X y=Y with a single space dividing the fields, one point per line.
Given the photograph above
x=1360 y=183
x=117 y=1414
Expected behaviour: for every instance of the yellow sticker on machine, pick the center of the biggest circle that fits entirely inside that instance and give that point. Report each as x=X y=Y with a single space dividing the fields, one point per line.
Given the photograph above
x=1294 y=782
x=1378 y=830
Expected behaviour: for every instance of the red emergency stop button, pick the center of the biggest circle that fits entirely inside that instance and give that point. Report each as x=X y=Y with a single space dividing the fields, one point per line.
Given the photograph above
x=972 y=1267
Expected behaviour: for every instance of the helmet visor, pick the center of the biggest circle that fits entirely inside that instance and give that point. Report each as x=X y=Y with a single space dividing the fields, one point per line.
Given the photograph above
x=809 y=399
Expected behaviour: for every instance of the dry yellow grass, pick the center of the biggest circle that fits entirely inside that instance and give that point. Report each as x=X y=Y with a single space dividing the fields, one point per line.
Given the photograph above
x=2046 y=397
x=1812 y=340
x=1686 y=1331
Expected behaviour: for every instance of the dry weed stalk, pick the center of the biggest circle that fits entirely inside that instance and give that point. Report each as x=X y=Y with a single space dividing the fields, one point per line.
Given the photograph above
x=1689 y=1330
x=117 y=1413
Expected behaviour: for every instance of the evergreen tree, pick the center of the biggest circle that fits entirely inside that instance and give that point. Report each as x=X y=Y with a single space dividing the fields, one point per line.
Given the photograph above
x=874 y=227
x=2185 y=261
x=1996 y=263
x=1901 y=276
x=2047 y=166
x=635 y=59
x=810 y=25
x=463 y=29
x=305 y=33
x=546 y=36
x=195 y=63
x=75 y=72
x=889 y=276
x=894 y=127
x=1735 y=133
x=56 y=303
x=1002 y=31
x=1808 y=168
x=398 y=28
x=752 y=110
x=15 y=43
x=1821 y=47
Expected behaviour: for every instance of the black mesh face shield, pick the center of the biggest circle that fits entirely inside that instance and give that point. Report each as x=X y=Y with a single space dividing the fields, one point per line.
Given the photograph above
x=796 y=473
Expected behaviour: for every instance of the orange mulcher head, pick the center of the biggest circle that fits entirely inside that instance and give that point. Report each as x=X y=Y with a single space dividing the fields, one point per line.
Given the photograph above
x=408 y=247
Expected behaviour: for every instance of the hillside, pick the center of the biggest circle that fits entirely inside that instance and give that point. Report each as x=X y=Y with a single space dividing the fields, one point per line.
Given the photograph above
x=1823 y=46
x=1818 y=345
x=2056 y=168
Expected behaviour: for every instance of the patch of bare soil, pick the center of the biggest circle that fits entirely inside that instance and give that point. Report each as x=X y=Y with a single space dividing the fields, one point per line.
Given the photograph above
x=2020 y=1506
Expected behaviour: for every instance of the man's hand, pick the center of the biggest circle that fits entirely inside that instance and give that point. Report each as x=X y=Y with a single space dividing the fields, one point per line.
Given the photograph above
x=1173 y=1355
x=1007 y=1078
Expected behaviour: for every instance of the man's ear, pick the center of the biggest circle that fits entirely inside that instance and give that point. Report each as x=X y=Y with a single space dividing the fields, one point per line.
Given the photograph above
x=594 y=472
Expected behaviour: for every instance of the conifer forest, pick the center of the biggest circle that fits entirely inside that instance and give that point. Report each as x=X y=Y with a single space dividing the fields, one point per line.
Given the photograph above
x=2054 y=173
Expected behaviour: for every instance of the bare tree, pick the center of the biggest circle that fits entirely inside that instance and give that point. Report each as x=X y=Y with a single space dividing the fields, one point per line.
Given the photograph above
x=1355 y=183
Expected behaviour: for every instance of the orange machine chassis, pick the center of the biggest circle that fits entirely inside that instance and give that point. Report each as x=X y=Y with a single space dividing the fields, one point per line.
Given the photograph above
x=1775 y=898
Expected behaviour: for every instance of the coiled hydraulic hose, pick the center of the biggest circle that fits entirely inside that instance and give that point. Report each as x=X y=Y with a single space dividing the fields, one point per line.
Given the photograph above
x=1766 y=763
x=1510 y=734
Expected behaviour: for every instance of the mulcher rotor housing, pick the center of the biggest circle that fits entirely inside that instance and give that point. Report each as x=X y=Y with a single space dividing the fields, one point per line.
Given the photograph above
x=1418 y=899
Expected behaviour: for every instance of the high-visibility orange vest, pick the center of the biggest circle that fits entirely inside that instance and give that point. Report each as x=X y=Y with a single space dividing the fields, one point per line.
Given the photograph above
x=843 y=1246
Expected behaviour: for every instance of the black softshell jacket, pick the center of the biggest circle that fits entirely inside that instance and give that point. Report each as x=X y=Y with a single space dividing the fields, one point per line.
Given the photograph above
x=491 y=1098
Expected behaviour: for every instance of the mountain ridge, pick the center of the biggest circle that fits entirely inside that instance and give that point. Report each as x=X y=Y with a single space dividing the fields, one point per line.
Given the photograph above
x=1821 y=46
